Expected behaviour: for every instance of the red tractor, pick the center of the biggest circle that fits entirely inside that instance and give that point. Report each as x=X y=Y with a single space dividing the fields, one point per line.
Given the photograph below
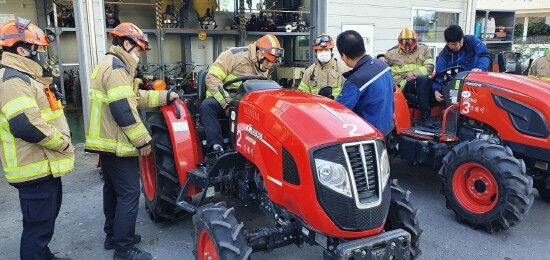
x=319 y=171
x=493 y=141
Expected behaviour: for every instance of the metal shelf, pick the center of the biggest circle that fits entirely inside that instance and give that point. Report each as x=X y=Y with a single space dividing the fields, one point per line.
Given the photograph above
x=275 y=11
x=150 y=31
x=497 y=42
x=128 y=3
x=196 y=31
x=257 y=33
x=60 y=30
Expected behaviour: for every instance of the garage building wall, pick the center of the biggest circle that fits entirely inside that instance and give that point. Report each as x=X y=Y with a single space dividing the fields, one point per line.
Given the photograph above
x=22 y=8
x=389 y=17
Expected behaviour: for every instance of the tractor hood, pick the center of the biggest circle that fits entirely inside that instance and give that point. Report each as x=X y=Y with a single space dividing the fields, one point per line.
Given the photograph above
x=313 y=119
x=527 y=86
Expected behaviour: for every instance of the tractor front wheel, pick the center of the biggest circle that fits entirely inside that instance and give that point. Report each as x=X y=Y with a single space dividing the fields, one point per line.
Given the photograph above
x=402 y=215
x=218 y=235
x=485 y=185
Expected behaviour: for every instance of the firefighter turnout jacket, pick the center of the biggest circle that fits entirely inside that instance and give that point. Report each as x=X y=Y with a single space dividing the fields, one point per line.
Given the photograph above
x=114 y=126
x=320 y=75
x=419 y=62
x=231 y=64
x=541 y=68
x=36 y=141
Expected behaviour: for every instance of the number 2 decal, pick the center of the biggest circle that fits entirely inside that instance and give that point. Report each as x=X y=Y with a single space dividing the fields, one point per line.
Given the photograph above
x=239 y=137
x=353 y=131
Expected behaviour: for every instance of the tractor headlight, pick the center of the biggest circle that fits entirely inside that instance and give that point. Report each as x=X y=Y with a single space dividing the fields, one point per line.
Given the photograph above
x=333 y=176
x=383 y=162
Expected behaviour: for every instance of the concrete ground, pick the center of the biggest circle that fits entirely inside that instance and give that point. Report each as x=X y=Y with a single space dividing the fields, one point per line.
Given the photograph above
x=79 y=232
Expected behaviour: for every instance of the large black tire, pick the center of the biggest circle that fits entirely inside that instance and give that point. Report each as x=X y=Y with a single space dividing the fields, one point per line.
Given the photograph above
x=485 y=185
x=540 y=185
x=218 y=232
x=166 y=185
x=402 y=215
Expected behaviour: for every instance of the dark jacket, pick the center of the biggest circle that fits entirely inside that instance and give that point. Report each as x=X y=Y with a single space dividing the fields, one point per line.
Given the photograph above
x=368 y=91
x=473 y=54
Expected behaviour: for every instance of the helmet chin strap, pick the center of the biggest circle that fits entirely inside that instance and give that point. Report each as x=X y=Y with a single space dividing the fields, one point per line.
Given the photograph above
x=260 y=63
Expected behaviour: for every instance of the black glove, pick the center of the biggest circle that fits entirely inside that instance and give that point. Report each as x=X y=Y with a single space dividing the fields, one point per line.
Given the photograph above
x=326 y=92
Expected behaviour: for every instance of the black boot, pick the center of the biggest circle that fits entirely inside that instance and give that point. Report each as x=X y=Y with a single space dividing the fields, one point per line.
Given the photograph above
x=132 y=254
x=427 y=120
x=110 y=241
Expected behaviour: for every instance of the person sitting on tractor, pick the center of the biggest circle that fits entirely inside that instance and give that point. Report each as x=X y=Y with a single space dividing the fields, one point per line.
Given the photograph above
x=255 y=59
x=411 y=64
x=460 y=50
x=324 y=77
x=541 y=68
x=368 y=90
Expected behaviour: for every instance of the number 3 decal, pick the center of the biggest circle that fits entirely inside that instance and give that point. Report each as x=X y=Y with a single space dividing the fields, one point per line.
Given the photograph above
x=353 y=131
x=466 y=107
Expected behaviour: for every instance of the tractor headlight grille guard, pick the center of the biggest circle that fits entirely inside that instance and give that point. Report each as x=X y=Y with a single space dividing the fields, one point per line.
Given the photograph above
x=351 y=183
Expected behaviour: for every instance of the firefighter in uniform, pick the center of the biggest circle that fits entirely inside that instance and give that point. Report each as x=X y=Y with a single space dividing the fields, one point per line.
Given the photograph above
x=412 y=64
x=36 y=144
x=255 y=59
x=325 y=76
x=541 y=68
x=116 y=132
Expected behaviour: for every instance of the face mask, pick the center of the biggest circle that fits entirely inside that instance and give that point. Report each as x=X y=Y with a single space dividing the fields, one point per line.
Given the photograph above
x=324 y=56
x=40 y=58
x=136 y=58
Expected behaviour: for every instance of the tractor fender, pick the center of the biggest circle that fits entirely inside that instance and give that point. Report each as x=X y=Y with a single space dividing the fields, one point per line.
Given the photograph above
x=185 y=140
x=401 y=116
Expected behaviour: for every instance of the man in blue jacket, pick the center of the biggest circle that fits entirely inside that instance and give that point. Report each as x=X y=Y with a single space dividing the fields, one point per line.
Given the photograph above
x=460 y=50
x=368 y=90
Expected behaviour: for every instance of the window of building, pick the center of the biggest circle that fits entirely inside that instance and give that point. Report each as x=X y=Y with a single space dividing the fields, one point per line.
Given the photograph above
x=430 y=24
x=301 y=48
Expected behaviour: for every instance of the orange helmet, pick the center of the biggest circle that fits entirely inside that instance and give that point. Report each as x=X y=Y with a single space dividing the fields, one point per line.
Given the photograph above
x=133 y=32
x=407 y=40
x=323 y=42
x=22 y=30
x=270 y=47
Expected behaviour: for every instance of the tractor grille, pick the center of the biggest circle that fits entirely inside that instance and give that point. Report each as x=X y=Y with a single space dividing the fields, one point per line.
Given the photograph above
x=362 y=211
x=362 y=161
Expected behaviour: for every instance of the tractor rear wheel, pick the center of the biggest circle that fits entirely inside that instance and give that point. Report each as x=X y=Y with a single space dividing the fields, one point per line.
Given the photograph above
x=485 y=185
x=158 y=172
x=544 y=192
x=218 y=235
x=402 y=215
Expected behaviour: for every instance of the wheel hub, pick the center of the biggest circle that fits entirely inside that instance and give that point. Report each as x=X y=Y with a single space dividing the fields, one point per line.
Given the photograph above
x=475 y=188
x=480 y=186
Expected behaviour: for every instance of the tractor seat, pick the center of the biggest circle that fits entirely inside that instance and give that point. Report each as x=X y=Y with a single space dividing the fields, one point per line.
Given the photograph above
x=201 y=85
x=508 y=62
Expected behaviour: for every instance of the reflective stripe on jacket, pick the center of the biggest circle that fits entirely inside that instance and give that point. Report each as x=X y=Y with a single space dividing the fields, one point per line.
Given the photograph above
x=231 y=64
x=318 y=76
x=114 y=125
x=35 y=140
x=419 y=62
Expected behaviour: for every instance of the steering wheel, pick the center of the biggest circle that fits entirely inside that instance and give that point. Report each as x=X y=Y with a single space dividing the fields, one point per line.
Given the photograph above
x=242 y=79
x=448 y=74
